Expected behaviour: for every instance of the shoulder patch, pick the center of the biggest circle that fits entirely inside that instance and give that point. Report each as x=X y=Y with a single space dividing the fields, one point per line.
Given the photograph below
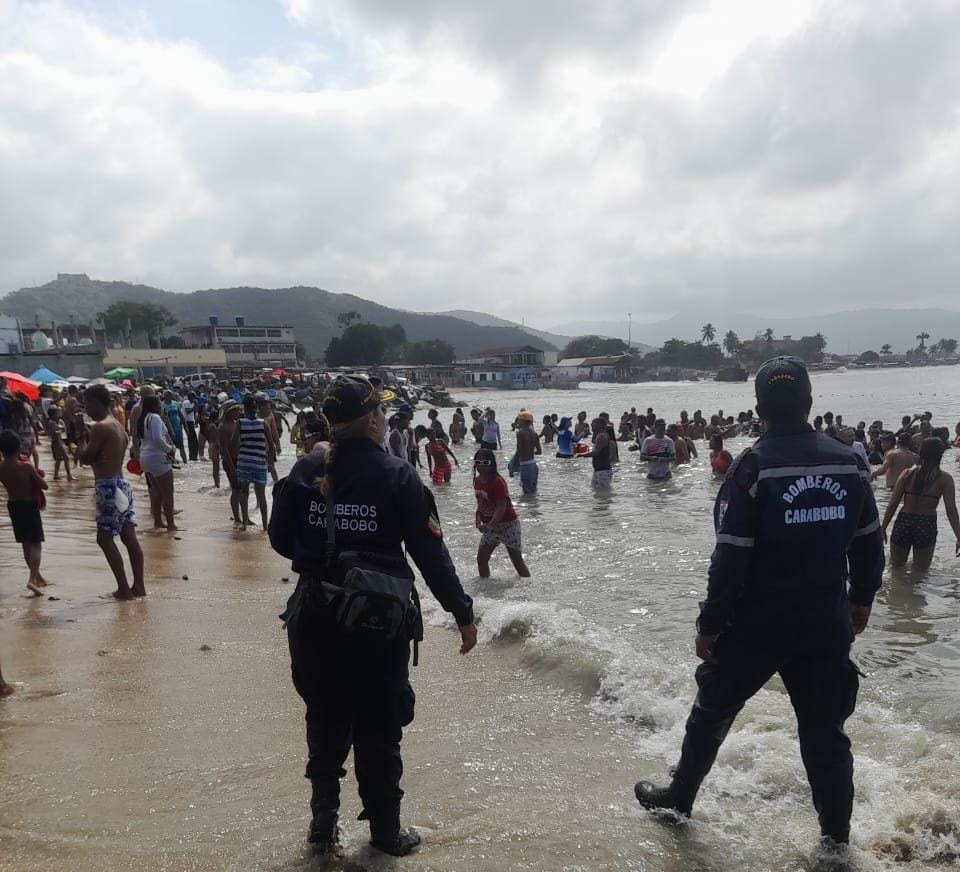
x=433 y=525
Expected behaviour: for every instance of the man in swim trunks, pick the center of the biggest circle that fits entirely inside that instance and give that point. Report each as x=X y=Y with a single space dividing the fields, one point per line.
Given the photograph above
x=896 y=461
x=104 y=453
x=22 y=482
x=528 y=445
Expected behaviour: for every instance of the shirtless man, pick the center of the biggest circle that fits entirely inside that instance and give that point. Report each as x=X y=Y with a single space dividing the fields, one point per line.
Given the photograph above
x=228 y=439
x=680 y=444
x=581 y=428
x=896 y=461
x=104 y=453
x=70 y=406
x=22 y=480
x=528 y=445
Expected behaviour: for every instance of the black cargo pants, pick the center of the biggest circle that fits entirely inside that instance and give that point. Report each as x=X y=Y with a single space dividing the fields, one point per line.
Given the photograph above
x=823 y=690
x=357 y=694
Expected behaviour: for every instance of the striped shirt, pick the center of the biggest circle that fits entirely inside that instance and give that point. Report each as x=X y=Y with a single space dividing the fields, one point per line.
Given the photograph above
x=252 y=455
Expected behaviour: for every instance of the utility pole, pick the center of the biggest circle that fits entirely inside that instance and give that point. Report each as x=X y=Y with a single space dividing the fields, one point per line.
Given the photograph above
x=629 y=330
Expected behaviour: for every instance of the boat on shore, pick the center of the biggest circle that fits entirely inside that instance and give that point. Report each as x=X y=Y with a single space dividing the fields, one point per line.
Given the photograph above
x=731 y=374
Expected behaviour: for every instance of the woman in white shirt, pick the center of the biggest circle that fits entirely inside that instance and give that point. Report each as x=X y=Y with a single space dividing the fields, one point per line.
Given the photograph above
x=156 y=460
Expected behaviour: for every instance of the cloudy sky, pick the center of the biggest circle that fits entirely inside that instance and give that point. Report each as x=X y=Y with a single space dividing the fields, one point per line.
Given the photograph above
x=544 y=159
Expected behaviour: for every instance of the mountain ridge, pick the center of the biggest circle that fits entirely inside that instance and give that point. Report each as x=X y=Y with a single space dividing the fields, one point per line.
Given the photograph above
x=312 y=311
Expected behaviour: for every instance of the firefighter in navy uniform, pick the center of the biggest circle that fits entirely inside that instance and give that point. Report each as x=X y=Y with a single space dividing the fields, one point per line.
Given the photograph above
x=356 y=693
x=796 y=527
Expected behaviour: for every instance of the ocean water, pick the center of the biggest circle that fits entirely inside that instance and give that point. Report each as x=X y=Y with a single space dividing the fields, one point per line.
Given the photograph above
x=166 y=735
x=610 y=610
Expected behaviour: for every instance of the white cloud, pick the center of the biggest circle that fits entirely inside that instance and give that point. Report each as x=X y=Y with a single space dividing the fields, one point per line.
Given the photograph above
x=560 y=158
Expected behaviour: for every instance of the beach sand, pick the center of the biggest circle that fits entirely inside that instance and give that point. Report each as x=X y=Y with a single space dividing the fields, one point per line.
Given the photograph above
x=164 y=734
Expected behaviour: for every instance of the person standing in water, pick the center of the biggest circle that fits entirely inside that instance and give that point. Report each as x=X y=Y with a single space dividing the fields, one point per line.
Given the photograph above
x=565 y=439
x=340 y=501
x=659 y=451
x=437 y=453
x=491 y=431
x=495 y=517
x=720 y=458
x=602 y=469
x=921 y=488
x=104 y=452
x=896 y=461
x=252 y=460
x=796 y=523
x=22 y=481
x=528 y=446
x=549 y=431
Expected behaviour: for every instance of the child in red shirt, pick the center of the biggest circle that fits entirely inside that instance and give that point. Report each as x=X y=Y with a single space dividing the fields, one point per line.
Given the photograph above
x=496 y=517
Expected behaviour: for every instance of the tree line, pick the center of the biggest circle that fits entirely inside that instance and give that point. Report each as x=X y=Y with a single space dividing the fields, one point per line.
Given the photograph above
x=371 y=345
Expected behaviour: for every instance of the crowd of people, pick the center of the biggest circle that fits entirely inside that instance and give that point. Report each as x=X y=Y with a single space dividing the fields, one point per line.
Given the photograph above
x=153 y=430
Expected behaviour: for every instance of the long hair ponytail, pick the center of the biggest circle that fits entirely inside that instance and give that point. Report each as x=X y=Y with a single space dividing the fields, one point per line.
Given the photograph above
x=924 y=475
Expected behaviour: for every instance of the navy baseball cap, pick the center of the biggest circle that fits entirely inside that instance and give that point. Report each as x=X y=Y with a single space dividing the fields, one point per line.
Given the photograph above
x=350 y=396
x=782 y=378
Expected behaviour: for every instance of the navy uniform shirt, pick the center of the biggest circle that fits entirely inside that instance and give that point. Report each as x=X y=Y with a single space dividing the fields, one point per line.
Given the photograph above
x=380 y=505
x=796 y=522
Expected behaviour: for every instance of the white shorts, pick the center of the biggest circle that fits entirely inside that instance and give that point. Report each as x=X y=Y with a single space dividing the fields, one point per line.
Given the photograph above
x=507 y=534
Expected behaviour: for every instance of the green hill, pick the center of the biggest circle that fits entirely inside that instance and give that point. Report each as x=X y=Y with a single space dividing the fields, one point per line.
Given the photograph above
x=311 y=311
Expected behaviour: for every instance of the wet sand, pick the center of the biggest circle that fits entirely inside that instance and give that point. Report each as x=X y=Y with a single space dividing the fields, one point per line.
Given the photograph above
x=165 y=734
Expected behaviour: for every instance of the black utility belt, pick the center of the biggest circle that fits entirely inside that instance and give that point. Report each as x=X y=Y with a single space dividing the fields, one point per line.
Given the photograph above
x=371 y=603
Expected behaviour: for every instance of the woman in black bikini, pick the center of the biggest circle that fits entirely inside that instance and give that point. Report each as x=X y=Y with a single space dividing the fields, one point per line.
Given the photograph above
x=921 y=488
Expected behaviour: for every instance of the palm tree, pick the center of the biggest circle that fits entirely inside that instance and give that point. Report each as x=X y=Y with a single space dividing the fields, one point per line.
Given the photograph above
x=768 y=334
x=707 y=333
x=922 y=338
x=948 y=346
x=886 y=349
x=821 y=341
x=731 y=343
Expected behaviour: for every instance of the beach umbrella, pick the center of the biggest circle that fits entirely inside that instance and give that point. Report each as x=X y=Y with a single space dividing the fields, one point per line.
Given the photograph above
x=21 y=384
x=99 y=381
x=120 y=372
x=77 y=380
x=45 y=376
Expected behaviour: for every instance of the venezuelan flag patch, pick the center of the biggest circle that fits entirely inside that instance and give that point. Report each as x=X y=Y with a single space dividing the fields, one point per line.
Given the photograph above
x=433 y=525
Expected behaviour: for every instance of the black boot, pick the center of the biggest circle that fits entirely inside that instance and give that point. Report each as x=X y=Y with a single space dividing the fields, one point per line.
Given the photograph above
x=386 y=835
x=652 y=797
x=324 y=803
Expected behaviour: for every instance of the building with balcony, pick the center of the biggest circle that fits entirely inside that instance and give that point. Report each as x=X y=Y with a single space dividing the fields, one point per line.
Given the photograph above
x=246 y=347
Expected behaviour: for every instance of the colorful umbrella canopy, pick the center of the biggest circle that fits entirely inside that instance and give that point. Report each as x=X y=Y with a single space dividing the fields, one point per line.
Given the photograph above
x=120 y=372
x=18 y=383
x=44 y=376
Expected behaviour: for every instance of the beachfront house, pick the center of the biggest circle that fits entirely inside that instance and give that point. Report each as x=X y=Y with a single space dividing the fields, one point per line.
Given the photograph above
x=611 y=368
x=514 y=368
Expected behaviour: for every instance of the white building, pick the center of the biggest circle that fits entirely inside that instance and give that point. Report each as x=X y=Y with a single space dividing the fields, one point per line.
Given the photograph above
x=253 y=347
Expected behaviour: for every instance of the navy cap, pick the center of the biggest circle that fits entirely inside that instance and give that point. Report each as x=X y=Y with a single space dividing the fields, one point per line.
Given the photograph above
x=350 y=396
x=782 y=378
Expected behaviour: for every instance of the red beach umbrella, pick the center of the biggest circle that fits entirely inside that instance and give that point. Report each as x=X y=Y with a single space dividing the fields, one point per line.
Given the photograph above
x=17 y=382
